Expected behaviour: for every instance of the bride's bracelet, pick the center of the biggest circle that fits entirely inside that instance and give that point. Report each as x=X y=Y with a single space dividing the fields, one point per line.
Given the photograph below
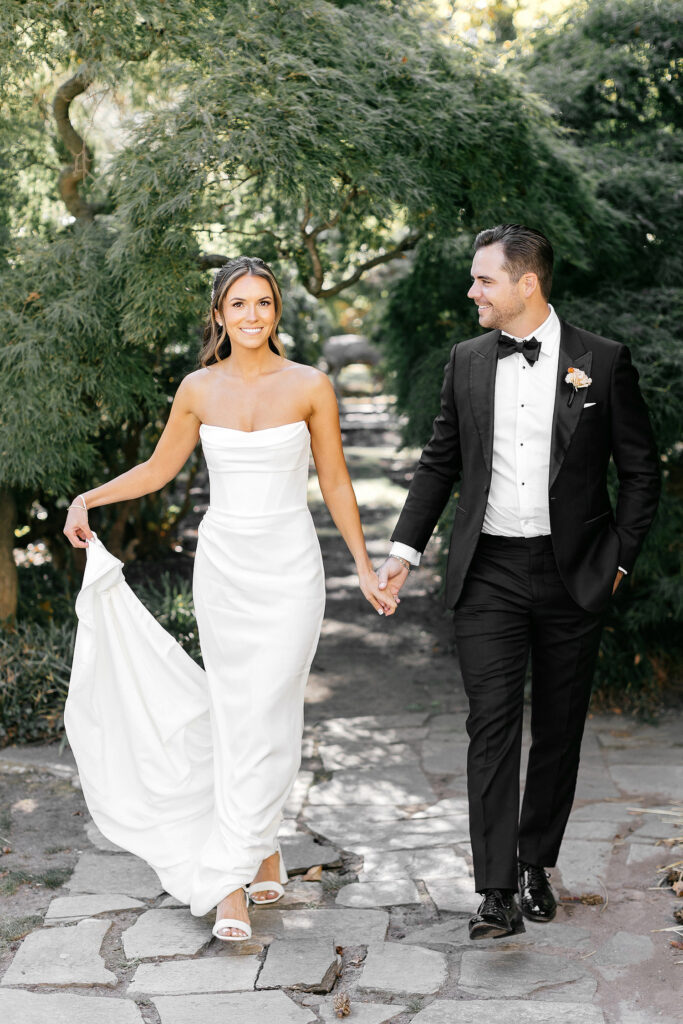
x=404 y=562
x=83 y=507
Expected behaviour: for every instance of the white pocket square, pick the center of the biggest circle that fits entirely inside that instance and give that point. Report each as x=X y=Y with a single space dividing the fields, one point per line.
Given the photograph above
x=587 y=405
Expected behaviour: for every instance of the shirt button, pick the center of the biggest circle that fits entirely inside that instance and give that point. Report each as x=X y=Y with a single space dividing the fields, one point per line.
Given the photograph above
x=522 y=406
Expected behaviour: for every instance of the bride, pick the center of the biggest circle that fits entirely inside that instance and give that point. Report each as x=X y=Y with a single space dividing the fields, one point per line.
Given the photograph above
x=190 y=769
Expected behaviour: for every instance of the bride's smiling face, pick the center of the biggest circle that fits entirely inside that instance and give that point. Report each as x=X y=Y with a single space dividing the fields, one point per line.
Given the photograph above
x=248 y=312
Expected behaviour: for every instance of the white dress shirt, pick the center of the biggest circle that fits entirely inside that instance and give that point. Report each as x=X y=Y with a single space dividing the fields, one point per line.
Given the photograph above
x=522 y=433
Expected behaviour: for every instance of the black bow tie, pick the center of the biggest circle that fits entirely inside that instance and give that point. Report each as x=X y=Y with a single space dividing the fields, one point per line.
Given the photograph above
x=530 y=349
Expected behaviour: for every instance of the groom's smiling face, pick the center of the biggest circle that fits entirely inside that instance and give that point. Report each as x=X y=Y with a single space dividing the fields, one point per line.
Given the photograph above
x=499 y=299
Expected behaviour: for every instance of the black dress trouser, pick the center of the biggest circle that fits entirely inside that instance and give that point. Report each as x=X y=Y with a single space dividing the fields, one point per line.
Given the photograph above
x=513 y=605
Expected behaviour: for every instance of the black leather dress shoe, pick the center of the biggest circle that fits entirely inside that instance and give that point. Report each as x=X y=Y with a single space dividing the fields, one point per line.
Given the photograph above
x=535 y=895
x=498 y=915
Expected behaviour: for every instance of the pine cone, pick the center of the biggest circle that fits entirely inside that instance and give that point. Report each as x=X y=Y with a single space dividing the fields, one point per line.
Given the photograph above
x=342 y=1004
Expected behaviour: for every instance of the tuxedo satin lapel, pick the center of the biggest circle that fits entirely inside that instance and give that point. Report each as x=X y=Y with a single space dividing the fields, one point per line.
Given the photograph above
x=483 y=362
x=566 y=415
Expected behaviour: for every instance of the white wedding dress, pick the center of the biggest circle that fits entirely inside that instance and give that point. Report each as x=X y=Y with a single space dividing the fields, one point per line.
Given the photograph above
x=186 y=768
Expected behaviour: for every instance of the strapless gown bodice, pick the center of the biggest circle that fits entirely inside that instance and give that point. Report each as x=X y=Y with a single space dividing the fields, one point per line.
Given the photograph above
x=258 y=472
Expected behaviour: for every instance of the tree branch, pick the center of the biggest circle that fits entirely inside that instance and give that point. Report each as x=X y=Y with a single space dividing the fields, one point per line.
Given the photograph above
x=315 y=281
x=73 y=174
x=207 y=260
x=409 y=242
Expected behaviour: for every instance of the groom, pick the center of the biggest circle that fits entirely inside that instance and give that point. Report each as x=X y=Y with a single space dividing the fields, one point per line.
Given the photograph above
x=531 y=413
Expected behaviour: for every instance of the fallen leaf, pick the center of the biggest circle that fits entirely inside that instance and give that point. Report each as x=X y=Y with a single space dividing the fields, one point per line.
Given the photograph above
x=314 y=874
x=589 y=899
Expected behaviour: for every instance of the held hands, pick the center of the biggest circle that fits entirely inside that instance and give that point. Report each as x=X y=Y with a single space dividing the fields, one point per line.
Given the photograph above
x=76 y=528
x=392 y=574
x=384 y=603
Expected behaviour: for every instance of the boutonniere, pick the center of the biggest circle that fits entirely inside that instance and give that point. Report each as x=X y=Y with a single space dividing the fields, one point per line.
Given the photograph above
x=577 y=379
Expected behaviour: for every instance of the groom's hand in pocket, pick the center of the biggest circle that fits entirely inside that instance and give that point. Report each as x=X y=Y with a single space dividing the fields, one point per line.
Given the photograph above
x=392 y=574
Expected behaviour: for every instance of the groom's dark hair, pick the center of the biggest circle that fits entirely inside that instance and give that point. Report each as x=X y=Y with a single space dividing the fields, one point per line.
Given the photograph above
x=526 y=250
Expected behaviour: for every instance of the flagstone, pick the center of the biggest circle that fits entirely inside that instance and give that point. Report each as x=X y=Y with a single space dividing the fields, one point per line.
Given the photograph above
x=641 y=853
x=468 y=1011
x=404 y=969
x=454 y=894
x=442 y=754
x=411 y=834
x=69 y=955
x=297 y=797
x=602 y=830
x=594 y=783
x=452 y=806
x=165 y=933
x=402 y=785
x=432 y=862
x=655 y=828
x=646 y=779
x=342 y=927
x=301 y=852
x=364 y=754
x=74 y=908
x=583 y=864
x=515 y=974
x=617 y=811
x=114 y=873
x=19 y=1007
x=381 y=728
x=208 y=974
x=245 y=1007
x=394 y=892
x=306 y=963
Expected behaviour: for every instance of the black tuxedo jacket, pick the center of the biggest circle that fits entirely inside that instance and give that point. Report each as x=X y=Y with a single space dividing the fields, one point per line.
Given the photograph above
x=590 y=539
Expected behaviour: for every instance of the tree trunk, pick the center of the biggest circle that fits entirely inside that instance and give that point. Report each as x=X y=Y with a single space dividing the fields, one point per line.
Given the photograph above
x=8 y=569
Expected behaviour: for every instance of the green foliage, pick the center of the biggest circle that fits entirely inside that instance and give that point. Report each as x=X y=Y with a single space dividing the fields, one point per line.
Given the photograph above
x=35 y=666
x=170 y=601
x=65 y=372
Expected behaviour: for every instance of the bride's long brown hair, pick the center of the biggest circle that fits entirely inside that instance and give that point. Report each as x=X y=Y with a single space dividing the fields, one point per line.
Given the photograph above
x=216 y=344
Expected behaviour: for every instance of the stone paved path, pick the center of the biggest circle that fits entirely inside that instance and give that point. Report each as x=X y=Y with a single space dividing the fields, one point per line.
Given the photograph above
x=380 y=812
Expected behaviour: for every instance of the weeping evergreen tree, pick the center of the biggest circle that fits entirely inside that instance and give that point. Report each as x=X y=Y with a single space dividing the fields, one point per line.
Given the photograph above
x=326 y=137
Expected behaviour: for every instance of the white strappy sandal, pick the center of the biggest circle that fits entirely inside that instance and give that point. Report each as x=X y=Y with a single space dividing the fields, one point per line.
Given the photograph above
x=233 y=922
x=269 y=886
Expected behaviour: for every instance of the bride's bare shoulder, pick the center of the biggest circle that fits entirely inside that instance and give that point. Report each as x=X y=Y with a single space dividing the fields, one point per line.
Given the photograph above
x=313 y=387
x=307 y=377
x=196 y=380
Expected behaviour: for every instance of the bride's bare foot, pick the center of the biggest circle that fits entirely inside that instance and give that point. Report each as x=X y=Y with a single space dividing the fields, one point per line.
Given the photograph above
x=268 y=872
x=234 y=905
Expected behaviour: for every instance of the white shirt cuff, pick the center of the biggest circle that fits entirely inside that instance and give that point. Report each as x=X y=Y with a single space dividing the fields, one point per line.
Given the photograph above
x=404 y=551
x=625 y=571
